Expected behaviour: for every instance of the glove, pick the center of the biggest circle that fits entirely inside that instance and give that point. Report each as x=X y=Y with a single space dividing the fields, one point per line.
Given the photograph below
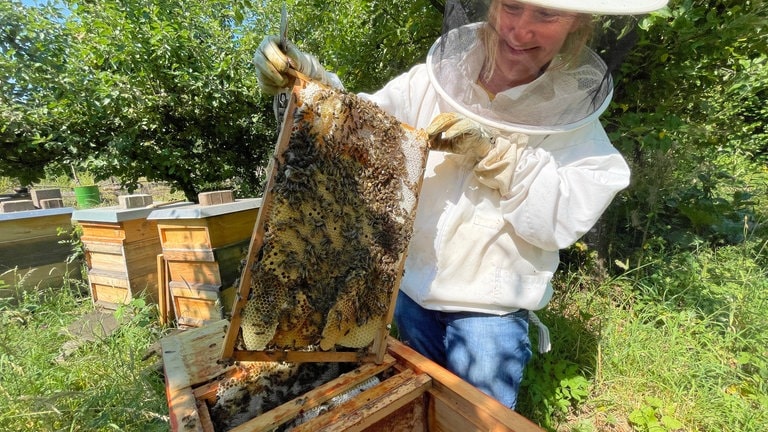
x=455 y=133
x=272 y=66
x=497 y=169
x=496 y=157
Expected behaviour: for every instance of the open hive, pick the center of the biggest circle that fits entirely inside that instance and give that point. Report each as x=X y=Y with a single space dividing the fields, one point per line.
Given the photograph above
x=327 y=251
x=405 y=392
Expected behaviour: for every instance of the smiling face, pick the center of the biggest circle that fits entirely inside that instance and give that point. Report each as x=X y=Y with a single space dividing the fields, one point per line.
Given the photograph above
x=526 y=39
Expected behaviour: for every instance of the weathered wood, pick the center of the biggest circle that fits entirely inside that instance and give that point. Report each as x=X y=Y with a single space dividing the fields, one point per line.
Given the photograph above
x=34 y=223
x=32 y=252
x=289 y=410
x=372 y=405
x=203 y=247
x=458 y=396
x=409 y=418
x=121 y=248
x=123 y=231
x=208 y=232
x=50 y=275
x=190 y=358
x=162 y=289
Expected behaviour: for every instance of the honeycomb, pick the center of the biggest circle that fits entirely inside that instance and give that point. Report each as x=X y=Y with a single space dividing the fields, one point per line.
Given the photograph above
x=253 y=388
x=339 y=216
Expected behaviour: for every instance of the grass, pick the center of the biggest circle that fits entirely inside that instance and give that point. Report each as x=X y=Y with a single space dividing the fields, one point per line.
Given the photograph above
x=110 y=384
x=677 y=346
x=645 y=351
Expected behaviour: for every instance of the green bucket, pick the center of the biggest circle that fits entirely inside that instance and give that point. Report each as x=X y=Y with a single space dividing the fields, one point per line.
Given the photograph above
x=87 y=196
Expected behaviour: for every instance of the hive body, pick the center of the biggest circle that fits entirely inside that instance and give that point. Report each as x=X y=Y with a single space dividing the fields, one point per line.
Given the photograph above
x=338 y=222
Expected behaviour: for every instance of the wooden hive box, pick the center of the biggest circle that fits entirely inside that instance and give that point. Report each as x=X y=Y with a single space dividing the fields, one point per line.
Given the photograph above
x=121 y=248
x=203 y=246
x=31 y=250
x=410 y=393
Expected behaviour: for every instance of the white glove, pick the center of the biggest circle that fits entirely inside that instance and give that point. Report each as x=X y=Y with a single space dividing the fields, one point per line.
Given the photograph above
x=272 y=66
x=455 y=133
x=496 y=157
x=497 y=169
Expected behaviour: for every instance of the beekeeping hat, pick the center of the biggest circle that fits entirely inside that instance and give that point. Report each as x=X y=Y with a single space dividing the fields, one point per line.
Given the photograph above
x=602 y=7
x=571 y=92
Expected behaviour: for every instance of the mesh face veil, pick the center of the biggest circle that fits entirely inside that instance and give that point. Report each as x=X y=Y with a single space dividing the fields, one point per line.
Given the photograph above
x=574 y=89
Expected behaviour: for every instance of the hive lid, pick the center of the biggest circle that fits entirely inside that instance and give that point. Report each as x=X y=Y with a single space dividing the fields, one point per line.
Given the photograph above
x=118 y=214
x=196 y=211
x=330 y=238
x=25 y=214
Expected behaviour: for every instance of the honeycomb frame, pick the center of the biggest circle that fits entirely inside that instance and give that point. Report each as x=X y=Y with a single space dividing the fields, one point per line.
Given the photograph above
x=327 y=252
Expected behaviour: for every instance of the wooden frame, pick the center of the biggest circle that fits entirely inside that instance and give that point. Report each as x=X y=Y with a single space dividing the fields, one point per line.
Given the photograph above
x=376 y=351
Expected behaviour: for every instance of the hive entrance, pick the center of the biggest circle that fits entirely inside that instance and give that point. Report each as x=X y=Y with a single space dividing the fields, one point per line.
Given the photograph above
x=328 y=247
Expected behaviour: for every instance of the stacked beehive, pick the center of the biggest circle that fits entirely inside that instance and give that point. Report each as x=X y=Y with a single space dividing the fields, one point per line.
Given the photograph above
x=121 y=247
x=203 y=246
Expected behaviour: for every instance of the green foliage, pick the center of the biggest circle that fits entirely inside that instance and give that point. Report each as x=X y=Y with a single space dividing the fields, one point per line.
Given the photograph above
x=139 y=89
x=166 y=91
x=655 y=416
x=104 y=385
x=554 y=386
x=31 y=59
x=688 y=114
x=366 y=42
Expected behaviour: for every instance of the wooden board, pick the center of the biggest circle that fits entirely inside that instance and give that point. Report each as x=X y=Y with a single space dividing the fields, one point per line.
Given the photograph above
x=208 y=233
x=14 y=230
x=127 y=231
x=29 y=279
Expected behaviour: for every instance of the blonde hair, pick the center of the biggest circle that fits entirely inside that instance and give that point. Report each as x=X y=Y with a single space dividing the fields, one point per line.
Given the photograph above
x=570 y=51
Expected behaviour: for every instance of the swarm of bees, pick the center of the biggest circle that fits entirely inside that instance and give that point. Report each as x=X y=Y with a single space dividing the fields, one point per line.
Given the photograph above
x=253 y=388
x=343 y=199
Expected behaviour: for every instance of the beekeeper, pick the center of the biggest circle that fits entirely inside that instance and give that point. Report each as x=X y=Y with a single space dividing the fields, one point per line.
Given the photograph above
x=520 y=168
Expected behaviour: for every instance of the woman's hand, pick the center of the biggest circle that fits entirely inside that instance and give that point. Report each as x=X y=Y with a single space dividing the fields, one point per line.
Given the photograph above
x=272 y=65
x=496 y=156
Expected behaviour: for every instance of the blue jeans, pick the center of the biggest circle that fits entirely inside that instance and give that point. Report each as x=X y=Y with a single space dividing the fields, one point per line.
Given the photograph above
x=488 y=351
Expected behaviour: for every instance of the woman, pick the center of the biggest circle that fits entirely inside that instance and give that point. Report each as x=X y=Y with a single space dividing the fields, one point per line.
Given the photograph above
x=520 y=168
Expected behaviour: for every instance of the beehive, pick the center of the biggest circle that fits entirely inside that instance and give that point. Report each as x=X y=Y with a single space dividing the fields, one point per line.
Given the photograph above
x=405 y=392
x=121 y=247
x=328 y=247
x=203 y=247
x=31 y=250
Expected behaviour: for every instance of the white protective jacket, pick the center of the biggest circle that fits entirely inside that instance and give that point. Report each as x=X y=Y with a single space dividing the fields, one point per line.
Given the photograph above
x=473 y=251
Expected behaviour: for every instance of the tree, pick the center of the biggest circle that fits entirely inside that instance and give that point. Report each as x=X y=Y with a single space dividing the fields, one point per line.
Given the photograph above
x=689 y=114
x=140 y=89
x=32 y=46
